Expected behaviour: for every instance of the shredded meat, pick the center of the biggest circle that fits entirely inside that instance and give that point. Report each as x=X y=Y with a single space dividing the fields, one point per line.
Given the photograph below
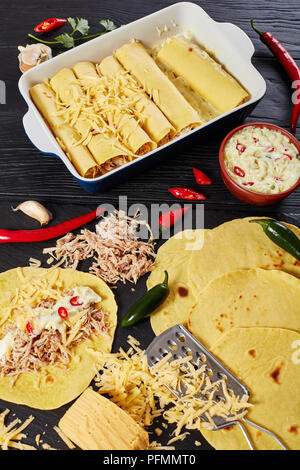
x=29 y=352
x=117 y=253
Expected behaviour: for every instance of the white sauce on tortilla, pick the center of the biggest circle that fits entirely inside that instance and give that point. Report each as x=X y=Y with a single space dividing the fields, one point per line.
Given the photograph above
x=46 y=320
x=262 y=160
x=5 y=344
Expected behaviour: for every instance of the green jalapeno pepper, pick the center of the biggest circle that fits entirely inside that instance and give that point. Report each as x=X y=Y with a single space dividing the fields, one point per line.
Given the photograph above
x=148 y=303
x=281 y=235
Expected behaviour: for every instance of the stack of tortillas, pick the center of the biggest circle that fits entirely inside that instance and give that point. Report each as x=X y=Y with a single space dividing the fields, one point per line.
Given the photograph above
x=239 y=294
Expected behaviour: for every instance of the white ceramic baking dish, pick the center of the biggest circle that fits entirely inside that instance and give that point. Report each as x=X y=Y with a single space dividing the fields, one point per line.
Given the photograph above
x=230 y=45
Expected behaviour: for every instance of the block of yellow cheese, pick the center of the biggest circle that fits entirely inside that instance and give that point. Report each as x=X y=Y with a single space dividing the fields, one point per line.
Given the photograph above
x=95 y=423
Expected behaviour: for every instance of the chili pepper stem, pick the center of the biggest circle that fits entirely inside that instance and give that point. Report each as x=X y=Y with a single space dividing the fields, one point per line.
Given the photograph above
x=166 y=279
x=255 y=29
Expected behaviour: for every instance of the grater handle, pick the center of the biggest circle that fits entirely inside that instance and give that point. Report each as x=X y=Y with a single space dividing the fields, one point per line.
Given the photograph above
x=263 y=430
x=245 y=435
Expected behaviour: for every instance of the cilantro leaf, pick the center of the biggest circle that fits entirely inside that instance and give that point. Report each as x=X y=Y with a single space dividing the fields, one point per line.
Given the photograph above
x=82 y=26
x=72 y=22
x=108 y=25
x=66 y=40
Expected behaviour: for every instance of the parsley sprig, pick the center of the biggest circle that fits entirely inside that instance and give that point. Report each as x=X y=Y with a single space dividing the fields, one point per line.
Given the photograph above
x=80 y=31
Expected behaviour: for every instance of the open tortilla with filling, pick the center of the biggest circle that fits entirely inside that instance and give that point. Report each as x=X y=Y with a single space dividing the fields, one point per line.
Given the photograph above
x=55 y=324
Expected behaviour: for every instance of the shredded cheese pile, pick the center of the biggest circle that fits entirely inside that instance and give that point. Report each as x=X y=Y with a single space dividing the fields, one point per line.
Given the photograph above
x=117 y=252
x=10 y=434
x=106 y=103
x=143 y=394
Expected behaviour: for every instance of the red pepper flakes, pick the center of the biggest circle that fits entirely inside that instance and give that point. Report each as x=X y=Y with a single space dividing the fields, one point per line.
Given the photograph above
x=250 y=183
x=270 y=149
x=239 y=171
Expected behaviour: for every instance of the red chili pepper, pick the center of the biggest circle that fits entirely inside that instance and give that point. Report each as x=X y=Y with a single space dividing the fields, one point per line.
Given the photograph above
x=168 y=219
x=50 y=25
x=289 y=156
x=270 y=149
x=255 y=139
x=75 y=301
x=201 y=178
x=239 y=171
x=240 y=147
x=289 y=65
x=186 y=193
x=62 y=312
x=29 y=327
x=250 y=183
x=41 y=234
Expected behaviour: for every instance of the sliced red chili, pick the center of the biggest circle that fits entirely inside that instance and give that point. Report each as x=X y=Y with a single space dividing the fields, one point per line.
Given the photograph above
x=201 y=178
x=50 y=25
x=29 y=327
x=168 y=219
x=62 y=312
x=270 y=149
x=186 y=193
x=255 y=140
x=250 y=183
x=240 y=147
x=75 y=301
x=289 y=156
x=239 y=171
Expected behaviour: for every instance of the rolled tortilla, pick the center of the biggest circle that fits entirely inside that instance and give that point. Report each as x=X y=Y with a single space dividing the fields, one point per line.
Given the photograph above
x=132 y=134
x=202 y=73
x=104 y=150
x=135 y=58
x=67 y=136
x=152 y=119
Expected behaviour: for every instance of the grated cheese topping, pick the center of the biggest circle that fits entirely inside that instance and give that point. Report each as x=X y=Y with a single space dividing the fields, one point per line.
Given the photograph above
x=143 y=392
x=106 y=103
x=11 y=434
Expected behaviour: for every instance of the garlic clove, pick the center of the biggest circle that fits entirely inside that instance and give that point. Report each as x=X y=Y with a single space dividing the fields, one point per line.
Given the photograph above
x=32 y=55
x=35 y=210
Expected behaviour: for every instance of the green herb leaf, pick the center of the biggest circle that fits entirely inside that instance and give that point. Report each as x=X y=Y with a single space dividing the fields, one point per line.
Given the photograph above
x=82 y=26
x=72 y=22
x=108 y=25
x=66 y=40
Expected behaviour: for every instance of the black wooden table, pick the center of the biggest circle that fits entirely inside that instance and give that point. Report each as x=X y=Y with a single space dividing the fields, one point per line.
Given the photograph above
x=26 y=174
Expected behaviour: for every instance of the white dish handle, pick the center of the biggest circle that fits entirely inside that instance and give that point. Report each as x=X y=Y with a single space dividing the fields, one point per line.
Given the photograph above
x=237 y=36
x=37 y=134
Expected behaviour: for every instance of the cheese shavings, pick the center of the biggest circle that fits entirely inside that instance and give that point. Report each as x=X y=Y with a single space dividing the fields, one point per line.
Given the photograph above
x=117 y=252
x=10 y=434
x=105 y=104
x=143 y=392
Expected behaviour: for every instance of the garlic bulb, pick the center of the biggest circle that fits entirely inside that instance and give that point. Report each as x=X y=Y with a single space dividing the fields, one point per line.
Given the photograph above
x=35 y=210
x=32 y=55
